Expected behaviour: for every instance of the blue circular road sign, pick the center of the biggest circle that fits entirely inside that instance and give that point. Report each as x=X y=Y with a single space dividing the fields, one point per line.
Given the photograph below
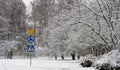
x=30 y=39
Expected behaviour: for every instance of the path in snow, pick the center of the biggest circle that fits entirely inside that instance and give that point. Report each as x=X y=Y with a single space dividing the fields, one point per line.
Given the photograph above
x=38 y=64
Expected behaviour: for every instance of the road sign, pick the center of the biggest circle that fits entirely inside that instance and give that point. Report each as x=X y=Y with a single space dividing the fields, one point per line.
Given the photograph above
x=30 y=39
x=31 y=31
x=30 y=48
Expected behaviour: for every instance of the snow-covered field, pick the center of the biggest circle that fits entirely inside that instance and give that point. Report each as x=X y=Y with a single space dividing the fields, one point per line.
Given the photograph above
x=40 y=64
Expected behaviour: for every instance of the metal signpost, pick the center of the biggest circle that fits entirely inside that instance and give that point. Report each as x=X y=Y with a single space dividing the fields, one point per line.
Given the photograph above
x=30 y=47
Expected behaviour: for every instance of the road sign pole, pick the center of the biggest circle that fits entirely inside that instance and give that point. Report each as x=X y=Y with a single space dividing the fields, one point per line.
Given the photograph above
x=30 y=59
x=31 y=47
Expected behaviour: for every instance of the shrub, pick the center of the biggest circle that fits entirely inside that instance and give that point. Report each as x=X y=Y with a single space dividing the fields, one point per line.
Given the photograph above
x=105 y=66
x=108 y=61
x=87 y=63
x=116 y=68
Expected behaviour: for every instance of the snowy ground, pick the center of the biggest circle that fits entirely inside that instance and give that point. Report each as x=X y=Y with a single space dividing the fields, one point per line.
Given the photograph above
x=40 y=64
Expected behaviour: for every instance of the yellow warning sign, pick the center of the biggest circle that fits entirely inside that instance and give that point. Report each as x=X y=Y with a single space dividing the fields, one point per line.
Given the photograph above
x=31 y=31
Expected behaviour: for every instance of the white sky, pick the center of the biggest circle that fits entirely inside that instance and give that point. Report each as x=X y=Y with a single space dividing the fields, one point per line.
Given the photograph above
x=28 y=6
x=27 y=1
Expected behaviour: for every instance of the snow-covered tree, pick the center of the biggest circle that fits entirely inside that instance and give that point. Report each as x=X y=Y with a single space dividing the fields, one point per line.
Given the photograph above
x=7 y=48
x=12 y=18
x=91 y=25
x=103 y=20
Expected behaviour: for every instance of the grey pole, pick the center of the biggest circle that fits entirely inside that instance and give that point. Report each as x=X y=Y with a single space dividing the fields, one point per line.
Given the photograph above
x=30 y=59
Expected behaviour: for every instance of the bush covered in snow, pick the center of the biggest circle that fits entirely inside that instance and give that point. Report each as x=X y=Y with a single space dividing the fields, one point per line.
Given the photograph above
x=87 y=61
x=109 y=61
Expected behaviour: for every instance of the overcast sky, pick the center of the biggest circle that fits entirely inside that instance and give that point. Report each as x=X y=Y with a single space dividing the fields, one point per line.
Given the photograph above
x=28 y=6
x=27 y=1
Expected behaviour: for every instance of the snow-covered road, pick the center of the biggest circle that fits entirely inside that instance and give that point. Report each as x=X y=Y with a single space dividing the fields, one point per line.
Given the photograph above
x=39 y=64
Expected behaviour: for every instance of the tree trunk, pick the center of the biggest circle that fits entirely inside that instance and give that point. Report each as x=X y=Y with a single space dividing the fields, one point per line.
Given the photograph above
x=73 y=56
x=10 y=54
x=62 y=56
x=55 y=57
x=78 y=57
x=5 y=54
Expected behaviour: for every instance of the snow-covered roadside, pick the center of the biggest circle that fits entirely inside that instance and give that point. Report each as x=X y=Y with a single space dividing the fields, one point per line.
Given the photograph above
x=37 y=64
